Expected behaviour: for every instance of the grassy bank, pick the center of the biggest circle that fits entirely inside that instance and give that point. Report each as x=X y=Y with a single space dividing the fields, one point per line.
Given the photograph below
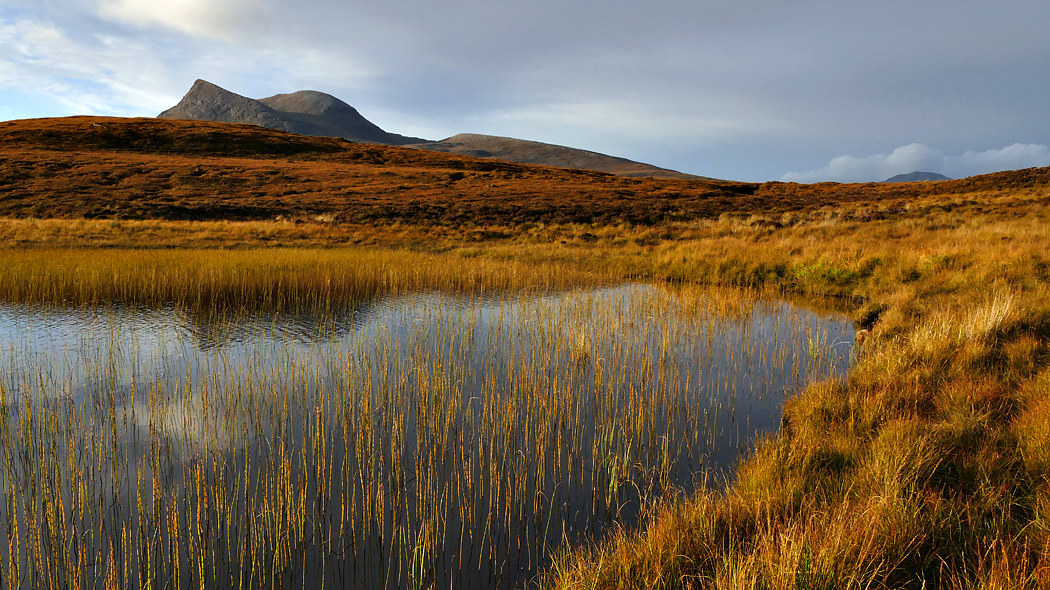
x=928 y=467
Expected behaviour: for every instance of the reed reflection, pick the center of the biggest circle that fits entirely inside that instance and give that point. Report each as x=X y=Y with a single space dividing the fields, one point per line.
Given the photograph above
x=426 y=440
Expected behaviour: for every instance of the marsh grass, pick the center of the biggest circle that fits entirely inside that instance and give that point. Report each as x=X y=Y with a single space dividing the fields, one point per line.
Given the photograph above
x=273 y=279
x=445 y=446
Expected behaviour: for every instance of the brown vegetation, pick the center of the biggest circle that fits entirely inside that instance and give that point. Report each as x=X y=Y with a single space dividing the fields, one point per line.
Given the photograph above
x=928 y=466
x=83 y=167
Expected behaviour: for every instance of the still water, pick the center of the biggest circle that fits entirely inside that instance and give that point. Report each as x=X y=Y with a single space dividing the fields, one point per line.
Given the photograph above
x=428 y=440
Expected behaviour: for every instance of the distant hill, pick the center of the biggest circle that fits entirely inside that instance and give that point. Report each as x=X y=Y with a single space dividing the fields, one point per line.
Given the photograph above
x=534 y=152
x=917 y=177
x=308 y=112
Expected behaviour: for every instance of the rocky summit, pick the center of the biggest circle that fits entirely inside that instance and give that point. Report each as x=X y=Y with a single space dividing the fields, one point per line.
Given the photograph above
x=306 y=112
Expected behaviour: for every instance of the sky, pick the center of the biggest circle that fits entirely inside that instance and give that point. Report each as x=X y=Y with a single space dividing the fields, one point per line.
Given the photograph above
x=793 y=90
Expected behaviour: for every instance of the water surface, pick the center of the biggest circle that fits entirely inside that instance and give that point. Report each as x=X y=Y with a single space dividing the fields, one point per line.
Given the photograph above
x=427 y=440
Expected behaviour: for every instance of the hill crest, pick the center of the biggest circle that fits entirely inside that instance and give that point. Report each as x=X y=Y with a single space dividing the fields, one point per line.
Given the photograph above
x=104 y=167
x=525 y=151
x=917 y=177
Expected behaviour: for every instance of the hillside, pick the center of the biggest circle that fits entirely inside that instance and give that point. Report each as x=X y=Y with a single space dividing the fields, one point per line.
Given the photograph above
x=96 y=167
x=927 y=465
x=534 y=152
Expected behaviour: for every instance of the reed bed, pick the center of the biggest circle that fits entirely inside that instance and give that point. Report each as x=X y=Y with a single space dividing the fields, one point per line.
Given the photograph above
x=273 y=279
x=438 y=441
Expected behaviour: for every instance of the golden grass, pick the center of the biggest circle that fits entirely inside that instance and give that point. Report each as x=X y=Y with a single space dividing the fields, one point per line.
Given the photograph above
x=929 y=467
x=270 y=279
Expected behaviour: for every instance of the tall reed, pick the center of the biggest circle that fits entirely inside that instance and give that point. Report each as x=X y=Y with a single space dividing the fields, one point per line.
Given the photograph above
x=439 y=442
x=260 y=279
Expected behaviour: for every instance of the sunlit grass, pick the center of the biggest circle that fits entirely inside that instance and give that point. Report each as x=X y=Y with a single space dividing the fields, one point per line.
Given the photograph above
x=260 y=279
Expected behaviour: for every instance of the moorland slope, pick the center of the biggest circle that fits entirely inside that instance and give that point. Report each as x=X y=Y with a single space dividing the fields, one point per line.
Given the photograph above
x=97 y=167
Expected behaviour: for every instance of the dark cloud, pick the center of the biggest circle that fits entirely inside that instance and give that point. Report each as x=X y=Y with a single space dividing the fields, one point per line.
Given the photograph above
x=739 y=90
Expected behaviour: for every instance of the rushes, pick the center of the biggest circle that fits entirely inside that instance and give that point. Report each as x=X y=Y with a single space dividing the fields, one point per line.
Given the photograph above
x=445 y=442
x=285 y=279
x=934 y=451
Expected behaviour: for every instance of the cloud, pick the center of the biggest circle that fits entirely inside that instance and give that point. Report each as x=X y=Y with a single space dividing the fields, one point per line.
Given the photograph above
x=1014 y=157
x=52 y=67
x=918 y=157
x=96 y=75
x=56 y=68
x=217 y=19
x=628 y=118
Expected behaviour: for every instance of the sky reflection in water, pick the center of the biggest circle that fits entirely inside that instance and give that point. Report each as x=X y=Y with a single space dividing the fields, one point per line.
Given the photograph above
x=539 y=418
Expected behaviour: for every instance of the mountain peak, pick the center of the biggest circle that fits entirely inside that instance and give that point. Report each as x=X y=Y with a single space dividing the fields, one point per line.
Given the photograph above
x=306 y=112
x=208 y=102
x=309 y=112
x=201 y=84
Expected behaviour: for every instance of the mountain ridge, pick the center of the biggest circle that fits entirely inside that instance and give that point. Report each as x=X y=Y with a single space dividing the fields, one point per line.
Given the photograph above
x=309 y=112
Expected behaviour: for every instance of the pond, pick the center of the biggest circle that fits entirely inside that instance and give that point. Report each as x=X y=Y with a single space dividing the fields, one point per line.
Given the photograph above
x=424 y=440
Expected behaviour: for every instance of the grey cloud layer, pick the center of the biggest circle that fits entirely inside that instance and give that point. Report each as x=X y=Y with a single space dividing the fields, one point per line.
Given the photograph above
x=738 y=90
